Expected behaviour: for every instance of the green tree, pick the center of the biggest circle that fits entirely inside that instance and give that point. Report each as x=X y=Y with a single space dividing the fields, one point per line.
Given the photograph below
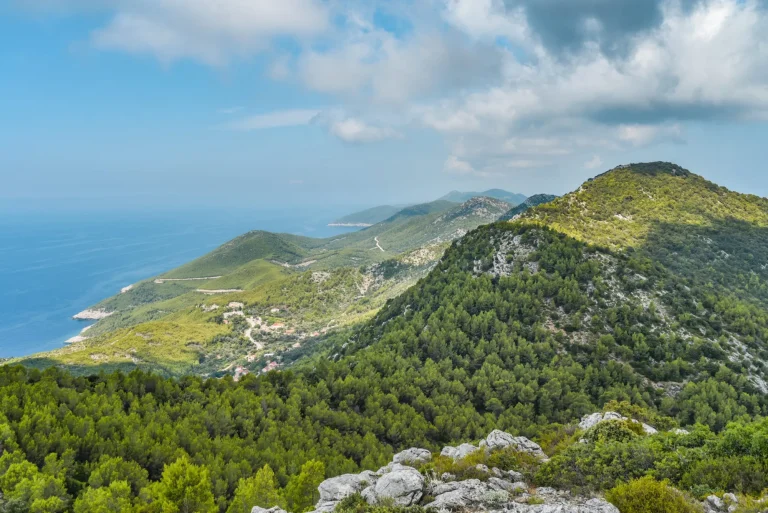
x=258 y=490
x=185 y=488
x=115 y=498
x=301 y=491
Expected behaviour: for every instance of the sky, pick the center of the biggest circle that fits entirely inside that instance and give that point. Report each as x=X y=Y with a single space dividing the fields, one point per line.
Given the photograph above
x=169 y=103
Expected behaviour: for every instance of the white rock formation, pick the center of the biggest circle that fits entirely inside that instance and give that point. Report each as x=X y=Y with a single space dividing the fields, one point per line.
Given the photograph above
x=459 y=452
x=274 y=509
x=499 y=440
x=340 y=487
x=413 y=456
x=590 y=421
x=404 y=486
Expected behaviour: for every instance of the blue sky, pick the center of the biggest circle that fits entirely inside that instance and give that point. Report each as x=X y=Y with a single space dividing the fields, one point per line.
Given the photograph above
x=252 y=102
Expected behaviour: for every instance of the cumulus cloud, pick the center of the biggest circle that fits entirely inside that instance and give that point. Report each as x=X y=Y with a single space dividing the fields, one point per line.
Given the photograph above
x=353 y=130
x=211 y=31
x=510 y=84
x=614 y=74
x=455 y=165
x=593 y=163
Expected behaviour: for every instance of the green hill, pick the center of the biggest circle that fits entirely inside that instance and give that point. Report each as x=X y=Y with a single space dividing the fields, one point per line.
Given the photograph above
x=367 y=217
x=174 y=323
x=499 y=194
x=535 y=200
x=524 y=326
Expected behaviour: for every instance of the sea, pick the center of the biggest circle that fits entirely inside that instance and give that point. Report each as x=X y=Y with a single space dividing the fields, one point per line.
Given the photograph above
x=54 y=265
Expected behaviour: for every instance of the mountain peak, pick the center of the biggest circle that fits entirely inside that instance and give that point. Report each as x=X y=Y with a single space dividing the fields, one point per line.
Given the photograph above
x=652 y=168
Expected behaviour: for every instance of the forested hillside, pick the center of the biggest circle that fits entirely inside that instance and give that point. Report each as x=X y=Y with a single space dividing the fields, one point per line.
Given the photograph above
x=524 y=326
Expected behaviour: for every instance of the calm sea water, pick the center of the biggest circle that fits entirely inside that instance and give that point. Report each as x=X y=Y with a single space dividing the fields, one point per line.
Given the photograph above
x=54 y=266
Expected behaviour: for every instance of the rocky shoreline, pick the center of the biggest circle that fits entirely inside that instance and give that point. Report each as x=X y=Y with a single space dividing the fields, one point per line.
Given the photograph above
x=92 y=315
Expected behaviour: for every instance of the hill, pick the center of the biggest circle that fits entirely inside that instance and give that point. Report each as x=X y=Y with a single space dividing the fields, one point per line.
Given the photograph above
x=580 y=341
x=500 y=194
x=265 y=296
x=533 y=201
x=367 y=217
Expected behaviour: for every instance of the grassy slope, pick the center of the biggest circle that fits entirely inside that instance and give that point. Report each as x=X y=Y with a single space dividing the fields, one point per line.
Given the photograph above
x=246 y=248
x=369 y=216
x=623 y=207
x=701 y=231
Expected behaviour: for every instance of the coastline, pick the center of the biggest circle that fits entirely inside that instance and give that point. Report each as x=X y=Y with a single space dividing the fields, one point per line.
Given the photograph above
x=350 y=225
x=92 y=315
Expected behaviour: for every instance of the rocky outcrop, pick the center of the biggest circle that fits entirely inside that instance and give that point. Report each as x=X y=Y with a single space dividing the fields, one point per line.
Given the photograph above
x=402 y=485
x=92 y=315
x=274 y=509
x=474 y=494
x=459 y=452
x=340 y=487
x=714 y=504
x=502 y=491
x=501 y=440
x=590 y=421
x=496 y=440
x=412 y=456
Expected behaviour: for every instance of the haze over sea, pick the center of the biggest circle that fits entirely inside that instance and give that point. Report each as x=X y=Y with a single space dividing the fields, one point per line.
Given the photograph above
x=55 y=265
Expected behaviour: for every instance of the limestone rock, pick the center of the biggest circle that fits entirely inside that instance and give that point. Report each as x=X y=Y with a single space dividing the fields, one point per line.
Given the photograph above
x=560 y=502
x=274 y=509
x=413 y=456
x=502 y=484
x=590 y=421
x=459 y=495
x=459 y=452
x=340 y=487
x=498 y=439
x=404 y=485
x=714 y=504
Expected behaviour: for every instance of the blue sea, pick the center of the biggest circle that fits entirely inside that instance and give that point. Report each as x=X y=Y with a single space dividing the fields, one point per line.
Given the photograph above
x=55 y=265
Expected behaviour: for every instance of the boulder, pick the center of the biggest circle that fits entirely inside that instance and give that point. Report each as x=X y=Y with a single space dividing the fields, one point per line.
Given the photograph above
x=413 y=456
x=459 y=495
x=274 y=509
x=502 y=484
x=403 y=485
x=590 y=421
x=498 y=439
x=459 y=452
x=714 y=504
x=340 y=487
x=558 y=502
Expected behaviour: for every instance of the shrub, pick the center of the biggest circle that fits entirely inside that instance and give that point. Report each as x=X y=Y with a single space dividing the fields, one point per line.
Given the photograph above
x=614 y=431
x=743 y=474
x=646 y=495
x=357 y=504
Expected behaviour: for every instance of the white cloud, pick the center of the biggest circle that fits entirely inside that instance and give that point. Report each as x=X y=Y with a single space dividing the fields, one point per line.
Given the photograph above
x=277 y=119
x=353 y=130
x=454 y=165
x=211 y=31
x=593 y=163
x=510 y=84
x=642 y=135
